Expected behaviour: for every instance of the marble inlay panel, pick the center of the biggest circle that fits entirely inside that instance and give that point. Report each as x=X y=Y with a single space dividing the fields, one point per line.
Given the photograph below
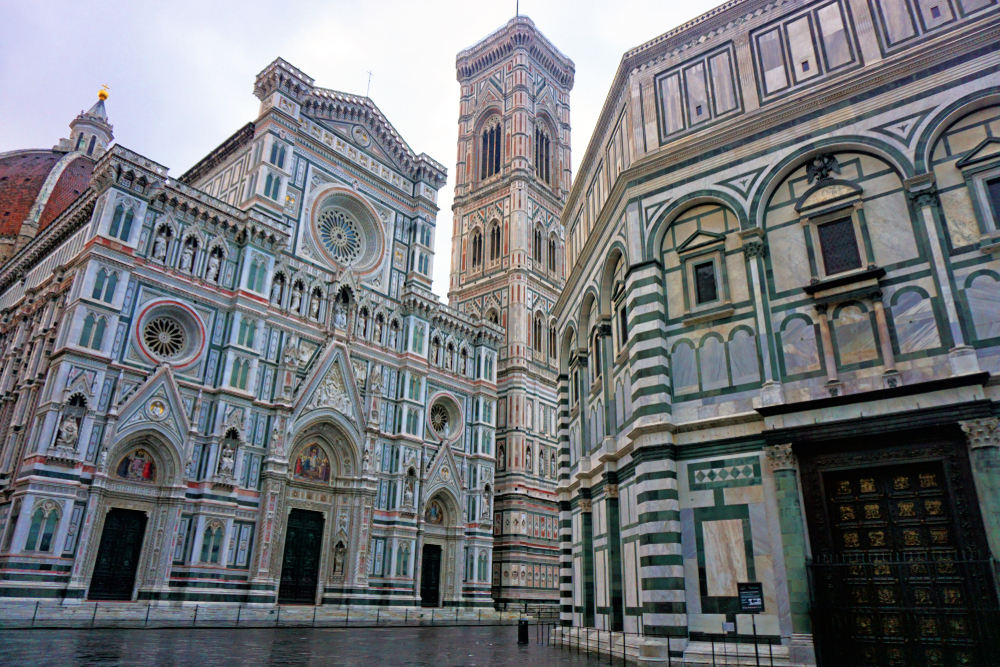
x=963 y=228
x=855 y=337
x=793 y=270
x=799 y=347
x=743 y=358
x=982 y=297
x=916 y=328
x=725 y=556
x=890 y=229
x=714 y=374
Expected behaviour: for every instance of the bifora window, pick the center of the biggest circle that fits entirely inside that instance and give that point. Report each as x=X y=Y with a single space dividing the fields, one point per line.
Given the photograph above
x=706 y=287
x=543 y=147
x=839 y=246
x=490 y=152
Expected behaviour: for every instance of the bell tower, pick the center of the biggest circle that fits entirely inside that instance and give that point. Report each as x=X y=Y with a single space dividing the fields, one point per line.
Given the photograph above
x=508 y=267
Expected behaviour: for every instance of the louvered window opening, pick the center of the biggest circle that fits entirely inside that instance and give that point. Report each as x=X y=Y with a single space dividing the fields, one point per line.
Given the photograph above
x=839 y=246
x=490 y=152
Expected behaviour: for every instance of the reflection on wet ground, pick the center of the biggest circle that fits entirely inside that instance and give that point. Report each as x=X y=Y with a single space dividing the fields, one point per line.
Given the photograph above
x=283 y=647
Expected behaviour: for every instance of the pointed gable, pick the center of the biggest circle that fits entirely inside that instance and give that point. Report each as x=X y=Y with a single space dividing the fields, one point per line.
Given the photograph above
x=157 y=403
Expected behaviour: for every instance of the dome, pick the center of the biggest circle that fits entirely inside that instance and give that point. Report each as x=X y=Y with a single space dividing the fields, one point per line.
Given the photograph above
x=36 y=186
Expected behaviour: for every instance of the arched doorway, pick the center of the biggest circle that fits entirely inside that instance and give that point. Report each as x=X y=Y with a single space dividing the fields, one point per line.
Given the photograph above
x=443 y=540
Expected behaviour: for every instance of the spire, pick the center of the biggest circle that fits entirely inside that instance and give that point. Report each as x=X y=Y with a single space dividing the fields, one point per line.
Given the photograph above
x=90 y=132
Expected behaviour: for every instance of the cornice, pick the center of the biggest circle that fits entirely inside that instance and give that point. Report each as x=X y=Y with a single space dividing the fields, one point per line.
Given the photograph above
x=519 y=33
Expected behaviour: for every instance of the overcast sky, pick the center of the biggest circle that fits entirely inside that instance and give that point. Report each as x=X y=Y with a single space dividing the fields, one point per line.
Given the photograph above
x=181 y=73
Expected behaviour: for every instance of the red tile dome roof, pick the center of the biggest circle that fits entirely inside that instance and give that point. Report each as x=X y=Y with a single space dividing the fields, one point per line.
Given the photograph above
x=23 y=175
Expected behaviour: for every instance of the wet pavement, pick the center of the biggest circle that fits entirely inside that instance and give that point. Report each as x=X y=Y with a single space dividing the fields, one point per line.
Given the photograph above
x=284 y=647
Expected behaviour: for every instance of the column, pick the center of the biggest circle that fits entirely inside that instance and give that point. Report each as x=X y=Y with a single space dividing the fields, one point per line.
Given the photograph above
x=984 y=458
x=923 y=194
x=587 y=537
x=832 y=381
x=784 y=465
x=891 y=376
x=755 y=250
x=616 y=594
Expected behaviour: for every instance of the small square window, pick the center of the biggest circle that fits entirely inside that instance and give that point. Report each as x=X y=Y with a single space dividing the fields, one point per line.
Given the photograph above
x=935 y=12
x=697 y=110
x=706 y=288
x=805 y=65
x=839 y=246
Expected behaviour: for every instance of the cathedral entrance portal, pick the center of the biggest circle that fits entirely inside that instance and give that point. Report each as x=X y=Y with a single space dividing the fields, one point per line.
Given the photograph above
x=300 y=567
x=118 y=555
x=430 y=576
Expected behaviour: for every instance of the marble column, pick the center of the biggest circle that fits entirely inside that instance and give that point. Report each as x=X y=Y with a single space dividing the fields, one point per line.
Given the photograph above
x=891 y=375
x=832 y=380
x=984 y=457
x=923 y=194
x=784 y=465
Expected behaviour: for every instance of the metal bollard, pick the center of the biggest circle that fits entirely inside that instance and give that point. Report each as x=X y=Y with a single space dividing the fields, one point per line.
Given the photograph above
x=522 y=631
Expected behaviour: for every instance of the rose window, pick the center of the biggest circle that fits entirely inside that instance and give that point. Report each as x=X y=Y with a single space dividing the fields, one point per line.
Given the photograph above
x=439 y=418
x=164 y=337
x=341 y=236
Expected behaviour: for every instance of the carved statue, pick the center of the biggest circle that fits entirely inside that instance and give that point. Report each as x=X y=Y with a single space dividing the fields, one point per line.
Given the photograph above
x=314 y=307
x=212 y=275
x=69 y=432
x=392 y=337
x=376 y=377
x=377 y=335
x=338 y=558
x=408 y=494
x=187 y=259
x=276 y=292
x=366 y=461
x=340 y=316
x=296 y=300
x=160 y=247
x=227 y=461
x=486 y=505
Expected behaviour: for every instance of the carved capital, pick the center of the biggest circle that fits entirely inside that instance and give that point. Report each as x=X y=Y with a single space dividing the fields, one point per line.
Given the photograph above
x=781 y=457
x=922 y=190
x=612 y=490
x=585 y=505
x=982 y=432
x=753 y=248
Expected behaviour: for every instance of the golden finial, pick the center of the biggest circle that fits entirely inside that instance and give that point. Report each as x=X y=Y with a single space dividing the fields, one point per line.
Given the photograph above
x=103 y=92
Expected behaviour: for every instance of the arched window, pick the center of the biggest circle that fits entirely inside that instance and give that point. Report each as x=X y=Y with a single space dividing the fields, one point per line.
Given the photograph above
x=257 y=275
x=543 y=149
x=211 y=545
x=495 y=242
x=418 y=339
x=403 y=561
x=477 y=249
x=527 y=458
x=482 y=566
x=248 y=329
x=272 y=185
x=79 y=142
x=490 y=151
x=238 y=376
x=552 y=254
x=278 y=155
x=90 y=148
x=537 y=336
x=537 y=249
x=93 y=331
x=44 y=521
x=552 y=342
x=121 y=223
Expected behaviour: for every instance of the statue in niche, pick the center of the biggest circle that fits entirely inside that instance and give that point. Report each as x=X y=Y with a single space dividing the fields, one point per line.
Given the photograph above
x=212 y=274
x=340 y=315
x=339 y=553
x=276 y=291
x=393 y=335
x=160 y=246
x=69 y=432
x=187 y=258
x=408 y=493
x=314 y=307
x=227 y=461
x=296 y=303
x=447 y=358
x=375 y=381
x=377 y=334
x=486 y=504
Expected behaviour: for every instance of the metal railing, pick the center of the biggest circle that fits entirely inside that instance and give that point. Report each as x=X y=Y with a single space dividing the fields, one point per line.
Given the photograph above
x=716 y=650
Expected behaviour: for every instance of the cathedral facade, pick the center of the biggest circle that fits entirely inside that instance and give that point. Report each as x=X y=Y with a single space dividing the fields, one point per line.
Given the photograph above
x=236 y=385
x=779 y=341
x=507 y=268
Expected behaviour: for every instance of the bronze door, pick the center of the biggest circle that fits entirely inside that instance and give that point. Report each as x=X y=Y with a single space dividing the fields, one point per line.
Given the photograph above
x=300 y=566
x=118 y=555
x=896 y=585
x=430 y=576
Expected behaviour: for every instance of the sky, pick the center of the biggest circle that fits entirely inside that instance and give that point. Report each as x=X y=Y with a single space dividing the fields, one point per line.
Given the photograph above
x=181 y=73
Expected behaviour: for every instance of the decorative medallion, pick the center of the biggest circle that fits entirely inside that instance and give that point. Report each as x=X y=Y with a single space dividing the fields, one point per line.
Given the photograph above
x=157 y=409
x=361 y=136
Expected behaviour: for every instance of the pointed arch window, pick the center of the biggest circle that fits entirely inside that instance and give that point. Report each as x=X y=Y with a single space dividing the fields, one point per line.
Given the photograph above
x=477 y=249
x=121 y=223
x=537 y=249
x=278 y=155
x=543 y=148
x=552 y=254
x=44 y=521
x=104 y=285
x=248 y=329
x=93 y=142
x=93 y=331
x=537 y=335
x=495 y=242
x=490 y=151
x=79 y=142
x=239 y=374
x=211 y=545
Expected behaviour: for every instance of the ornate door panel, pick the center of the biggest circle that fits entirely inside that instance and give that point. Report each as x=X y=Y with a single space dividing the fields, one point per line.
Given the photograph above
x=430 y=576
x=896 y=581
x=300 y=566
x=118 y=555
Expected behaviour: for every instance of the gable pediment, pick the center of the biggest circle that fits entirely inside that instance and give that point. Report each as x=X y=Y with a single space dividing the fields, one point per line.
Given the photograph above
x=988 y=149
x=701 y=239
x=157 y=403
x=332 y=386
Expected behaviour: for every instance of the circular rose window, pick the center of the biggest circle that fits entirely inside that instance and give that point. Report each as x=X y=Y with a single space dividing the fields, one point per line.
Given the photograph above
x=439 y=419
x=445 y=419
x=341 y=235
x=164 y=337
x=348 y=232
